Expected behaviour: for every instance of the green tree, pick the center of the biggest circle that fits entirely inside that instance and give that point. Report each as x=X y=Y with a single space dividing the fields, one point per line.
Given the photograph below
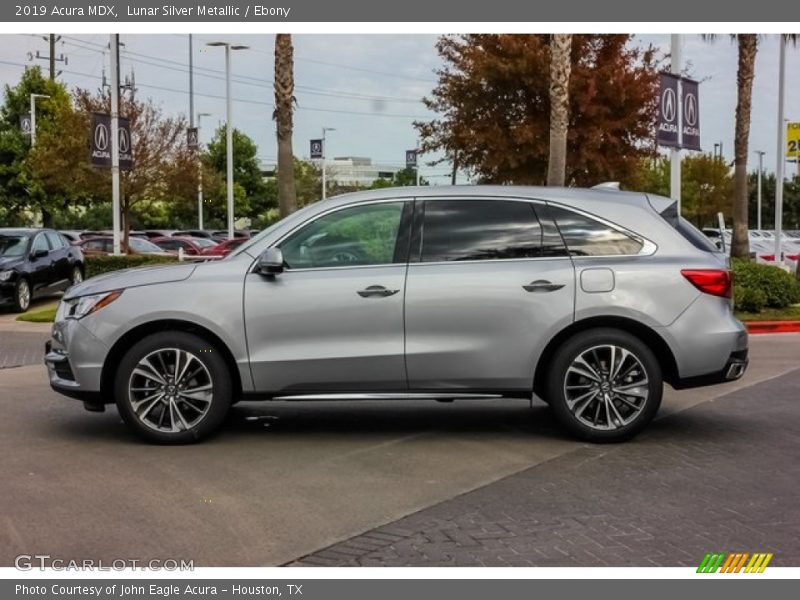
x=253 y=199
x=403 y=178
x=20 y=185
x=706 y=186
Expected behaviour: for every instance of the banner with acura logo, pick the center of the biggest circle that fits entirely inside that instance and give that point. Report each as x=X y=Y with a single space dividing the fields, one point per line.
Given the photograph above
x=690 y=132
x=678 y=123
x=101 y=142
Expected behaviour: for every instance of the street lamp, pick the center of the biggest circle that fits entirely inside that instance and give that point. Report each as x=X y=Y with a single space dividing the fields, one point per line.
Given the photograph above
x=760 y=169
x=228 y=127
x=200 y=173
x=34 y=98
x=324 y=171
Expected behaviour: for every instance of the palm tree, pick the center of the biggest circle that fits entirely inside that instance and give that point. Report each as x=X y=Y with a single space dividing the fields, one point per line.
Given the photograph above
x=748 y=46
x=560 y=67
x=284 y=108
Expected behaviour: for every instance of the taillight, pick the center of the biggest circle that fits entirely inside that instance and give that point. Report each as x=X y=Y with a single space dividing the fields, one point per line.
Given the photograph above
x=716 y=282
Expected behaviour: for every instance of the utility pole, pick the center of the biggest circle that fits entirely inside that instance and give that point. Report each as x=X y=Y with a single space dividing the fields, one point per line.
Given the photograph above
x=780 y=151
x=325 y=130
x=760 y=170
x=115 y=205
x=675 y=153
x=191 y=83
x=51 y=58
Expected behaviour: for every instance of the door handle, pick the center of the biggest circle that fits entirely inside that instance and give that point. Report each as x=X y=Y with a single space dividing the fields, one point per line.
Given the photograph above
x=376 y=291
x=542 y=285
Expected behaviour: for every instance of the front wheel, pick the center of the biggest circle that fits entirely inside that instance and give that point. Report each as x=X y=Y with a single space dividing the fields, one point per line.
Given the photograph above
x=604 y=385
x=22 y=295
x=173 y=388
x=76 y=277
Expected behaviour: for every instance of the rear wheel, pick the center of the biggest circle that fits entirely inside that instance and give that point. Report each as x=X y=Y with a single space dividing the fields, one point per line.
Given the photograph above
x=22 y=295
x=173 y=388
x=77 y=275
x=604 y=385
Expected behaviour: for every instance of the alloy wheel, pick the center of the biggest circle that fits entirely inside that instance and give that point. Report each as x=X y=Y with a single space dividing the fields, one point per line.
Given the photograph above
x=23 y=295
x=170 y=390
x=606 y=387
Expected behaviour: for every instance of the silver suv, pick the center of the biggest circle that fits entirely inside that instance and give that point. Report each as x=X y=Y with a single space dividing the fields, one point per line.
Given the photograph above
x=588 y=299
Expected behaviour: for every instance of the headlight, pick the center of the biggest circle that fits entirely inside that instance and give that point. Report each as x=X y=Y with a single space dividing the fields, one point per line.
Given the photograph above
x=77 y=308
x=6 y=275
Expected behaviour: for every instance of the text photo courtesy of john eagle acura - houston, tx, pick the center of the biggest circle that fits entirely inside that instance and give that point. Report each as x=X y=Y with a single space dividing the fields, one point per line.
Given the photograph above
x=274 y=293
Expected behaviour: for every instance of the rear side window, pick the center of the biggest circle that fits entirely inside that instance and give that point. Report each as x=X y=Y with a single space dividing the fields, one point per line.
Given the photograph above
x=458 y=230
x=56 y=241
x=585 y=236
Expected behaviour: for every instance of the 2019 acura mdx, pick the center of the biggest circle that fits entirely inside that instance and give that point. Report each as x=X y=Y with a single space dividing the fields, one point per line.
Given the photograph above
x=589 y=299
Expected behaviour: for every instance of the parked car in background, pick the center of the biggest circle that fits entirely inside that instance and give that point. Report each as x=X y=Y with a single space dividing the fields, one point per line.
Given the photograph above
x=101 y=246
x=73 y=236
x=222 y=234
x=224 y=248
x=588 y=299
x=190 y=246
x=195 y=233
x=34 y=263
x=156 y=233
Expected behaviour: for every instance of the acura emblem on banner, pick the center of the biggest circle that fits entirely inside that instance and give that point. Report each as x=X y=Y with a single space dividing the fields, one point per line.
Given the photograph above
x=316 y=149
x=690 y=132
x=100 y=142
x=668 y=92
x=411 y=159
x=25 y=124
x=678 y=124
x=192 y=141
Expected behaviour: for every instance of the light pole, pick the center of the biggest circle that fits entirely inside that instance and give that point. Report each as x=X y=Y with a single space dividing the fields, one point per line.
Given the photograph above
x=200 y=172
x=758 y=204
x=675 y=153
x=228 y=126
x=325 y=130
x=780 y=151
x=34 y=97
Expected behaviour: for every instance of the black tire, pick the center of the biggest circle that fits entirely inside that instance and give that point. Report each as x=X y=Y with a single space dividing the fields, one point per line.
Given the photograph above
x=596 y=343
x=215 y=370
x=22 y=301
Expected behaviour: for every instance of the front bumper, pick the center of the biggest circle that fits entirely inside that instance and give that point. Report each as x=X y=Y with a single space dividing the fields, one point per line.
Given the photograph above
x=6 y=293
x=74 y=359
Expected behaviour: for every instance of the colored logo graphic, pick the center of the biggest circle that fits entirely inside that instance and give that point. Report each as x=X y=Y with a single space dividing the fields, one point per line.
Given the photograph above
x=735 y=562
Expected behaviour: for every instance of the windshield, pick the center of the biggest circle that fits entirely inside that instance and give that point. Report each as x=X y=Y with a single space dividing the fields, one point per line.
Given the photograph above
x=13 y=245
x=141 y=245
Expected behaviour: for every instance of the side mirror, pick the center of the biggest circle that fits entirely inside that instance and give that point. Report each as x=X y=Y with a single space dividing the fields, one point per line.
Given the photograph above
x=39 y=254
x=270 y=262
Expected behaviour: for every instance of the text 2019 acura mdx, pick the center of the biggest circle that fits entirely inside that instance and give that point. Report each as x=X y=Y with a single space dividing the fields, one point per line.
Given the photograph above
x=589 y=299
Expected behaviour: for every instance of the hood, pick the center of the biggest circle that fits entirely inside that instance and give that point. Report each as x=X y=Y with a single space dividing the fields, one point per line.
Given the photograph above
x=8 y=262
x=128 y=278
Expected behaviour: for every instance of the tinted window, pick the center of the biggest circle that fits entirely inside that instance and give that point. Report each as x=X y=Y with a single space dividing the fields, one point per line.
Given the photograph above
x=362 y=235
x=55 y=240
x=169 y=244
x=40 y=243
x=456 y=230
x=94 y=245
x=585 y=236
x=13 y=245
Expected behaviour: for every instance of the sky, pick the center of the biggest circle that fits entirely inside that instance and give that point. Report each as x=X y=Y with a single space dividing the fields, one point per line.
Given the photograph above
x=368 y=87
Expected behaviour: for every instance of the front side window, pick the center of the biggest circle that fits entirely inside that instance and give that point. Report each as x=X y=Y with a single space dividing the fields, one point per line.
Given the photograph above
x=55 y=240
x=40 y=243
x=585 y=236
x=459 y=230
x=356 y=236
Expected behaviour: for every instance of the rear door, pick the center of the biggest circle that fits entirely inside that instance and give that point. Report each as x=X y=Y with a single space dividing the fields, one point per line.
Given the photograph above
x=41 y=266
x=59 y=256
x=488 y=280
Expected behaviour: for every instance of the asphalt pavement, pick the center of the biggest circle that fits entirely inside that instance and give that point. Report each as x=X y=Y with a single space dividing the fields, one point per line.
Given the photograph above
x=286 y=482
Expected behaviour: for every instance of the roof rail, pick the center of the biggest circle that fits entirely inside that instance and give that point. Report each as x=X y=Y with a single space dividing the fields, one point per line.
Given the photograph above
x=607 y=185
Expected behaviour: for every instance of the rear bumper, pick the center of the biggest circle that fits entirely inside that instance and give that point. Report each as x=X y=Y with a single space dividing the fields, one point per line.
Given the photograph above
x=734 y=369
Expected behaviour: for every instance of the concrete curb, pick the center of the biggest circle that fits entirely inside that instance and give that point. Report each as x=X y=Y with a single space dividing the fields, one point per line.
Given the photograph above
x=756 y=327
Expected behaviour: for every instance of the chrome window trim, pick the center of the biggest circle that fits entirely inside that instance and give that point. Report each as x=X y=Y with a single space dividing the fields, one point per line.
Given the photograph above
x=648 y=247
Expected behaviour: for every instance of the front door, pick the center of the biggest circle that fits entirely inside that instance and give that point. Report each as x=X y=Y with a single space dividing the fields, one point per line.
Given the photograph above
x=332 y=321
x=488 y=279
